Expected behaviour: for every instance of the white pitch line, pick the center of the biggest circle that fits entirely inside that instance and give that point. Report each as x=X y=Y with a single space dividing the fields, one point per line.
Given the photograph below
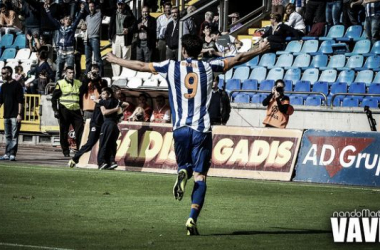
x=30 y=246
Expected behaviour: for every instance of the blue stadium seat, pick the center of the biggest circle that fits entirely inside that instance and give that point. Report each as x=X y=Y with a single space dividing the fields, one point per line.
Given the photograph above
x=310 y=75
x=335 y=31
x=302 y=86
x=322 y=87
x=221 y=82
x=310 y=46
x=370 y=102
x=372 y=63
x=232 y=84
x=6 y=41
x=259 y=74
x=328 y=75
x=242 y=98
x=284 y=60
x=336 y=61
x=253 y=62
x=346 y=76
x=318 y=61
x=228 y=74
x=267 y=60
x=353 y=62
x=337 y=87
x=20 y=42
x=296 y=100
x=9 y=53
x=293 y=74
x=374 y=88
x=241 y=73
x=325 y=48
x=375 y=50
x=249 y=84
x=288 y=85
x=353 y=33
x=377 y=78
x=301 y=61
x=275 y=74
x=361 y=47
x=357 y=88
x=314 y=100
x=266 y=85
x=259 y=98
x=291 y=47
x=365 y=76
x=350 y=101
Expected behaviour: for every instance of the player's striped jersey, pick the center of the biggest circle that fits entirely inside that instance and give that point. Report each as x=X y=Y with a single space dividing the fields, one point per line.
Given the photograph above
x=190 y=85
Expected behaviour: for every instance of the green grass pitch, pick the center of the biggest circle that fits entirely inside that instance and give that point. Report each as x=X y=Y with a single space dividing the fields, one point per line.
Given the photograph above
x=62 y=208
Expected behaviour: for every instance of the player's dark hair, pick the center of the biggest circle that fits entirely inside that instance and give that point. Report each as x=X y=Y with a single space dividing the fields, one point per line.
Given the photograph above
x=192 y=44
x=108 y=90
x=43 y=54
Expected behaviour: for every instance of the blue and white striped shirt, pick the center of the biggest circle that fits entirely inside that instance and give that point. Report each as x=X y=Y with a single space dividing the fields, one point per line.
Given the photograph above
x=190 y=87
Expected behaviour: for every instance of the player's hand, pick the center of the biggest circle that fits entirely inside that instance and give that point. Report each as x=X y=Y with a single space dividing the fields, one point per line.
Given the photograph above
x=273 y=90
x=276 y=94
x=264 y=45
x=111 y=58
x=56 y=114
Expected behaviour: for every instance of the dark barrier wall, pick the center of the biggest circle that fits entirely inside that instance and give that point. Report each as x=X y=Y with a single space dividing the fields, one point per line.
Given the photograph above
x=339 y=157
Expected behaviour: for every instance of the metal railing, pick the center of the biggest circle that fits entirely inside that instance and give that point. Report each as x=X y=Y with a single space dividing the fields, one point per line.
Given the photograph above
x=349 y=94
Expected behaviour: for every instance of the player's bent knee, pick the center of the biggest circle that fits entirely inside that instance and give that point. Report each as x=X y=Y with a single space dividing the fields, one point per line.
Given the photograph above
x=199 y=177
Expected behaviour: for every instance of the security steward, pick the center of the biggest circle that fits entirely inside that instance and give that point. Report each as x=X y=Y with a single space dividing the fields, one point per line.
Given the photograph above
x=65 y=101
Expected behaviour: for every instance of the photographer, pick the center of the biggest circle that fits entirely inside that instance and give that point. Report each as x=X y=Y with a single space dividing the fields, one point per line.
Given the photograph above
x=278 y=107
x=90 y=90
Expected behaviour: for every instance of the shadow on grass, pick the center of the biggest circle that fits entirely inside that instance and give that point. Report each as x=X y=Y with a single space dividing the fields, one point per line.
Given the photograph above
x=278 y=231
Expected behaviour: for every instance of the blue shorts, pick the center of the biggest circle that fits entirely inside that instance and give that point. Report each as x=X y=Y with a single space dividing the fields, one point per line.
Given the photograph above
x=193 y=150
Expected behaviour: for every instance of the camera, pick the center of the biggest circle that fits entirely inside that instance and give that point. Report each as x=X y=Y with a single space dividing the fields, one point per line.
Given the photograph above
x=280 y=89
x=94 y=74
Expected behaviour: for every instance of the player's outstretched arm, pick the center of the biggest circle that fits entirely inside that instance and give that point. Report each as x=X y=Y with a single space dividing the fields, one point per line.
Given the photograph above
x=135 y=65
x=246 y=56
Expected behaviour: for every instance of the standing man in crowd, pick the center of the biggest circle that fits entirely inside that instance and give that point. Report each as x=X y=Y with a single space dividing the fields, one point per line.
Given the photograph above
x=172 y=35
x=220 y=107
x=278 y=107
x=66 y=106
x=12 y=96
x=162 y=24
x=145 y=30
x=120 y=33
x=190 y=83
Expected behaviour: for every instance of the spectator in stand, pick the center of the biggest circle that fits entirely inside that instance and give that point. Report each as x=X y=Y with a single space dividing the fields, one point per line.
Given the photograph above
x=162 y=23
x=65 y=40
x=120 y=33
x=138 y=115
x=42 y=65
x=209 y=16
x=66 y=106
x=220 y=107
x=234 y=21
x=69 y=7
x=38 y=85
x=145 y=30
x=12 y=96
x=278 y=7
x=277 y=33
x=294 y=19
x=147 y=109
x=333 y=11
x=278 y=107
x=31 y=12
x=172 y=36
x=315 y=12
x=208 y=44
x=189 y=25
x=300 y=6
x=92 y=44
x=161 y=114
x=372 y=19
x=20 y=75
x=226 y=45
x=90 y=90
x=9 y=20
x=353 y=12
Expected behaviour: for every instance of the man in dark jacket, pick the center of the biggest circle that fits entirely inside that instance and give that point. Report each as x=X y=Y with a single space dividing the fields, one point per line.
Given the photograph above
x=121 y=35
x=171 y=36
x=220 y=107
x=145 y=32
x=31 y=11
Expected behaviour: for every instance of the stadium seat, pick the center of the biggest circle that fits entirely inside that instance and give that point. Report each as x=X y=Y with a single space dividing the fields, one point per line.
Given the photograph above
x=120 y=82
x=310 y=46
x=9 y=53
x=109 y=81
x=375 y=50
x=253 y=62
x=310 y=75
x=275 y=74
x=266 y=85
x=27 y=66
x=150 y=83
x=365 y=76
x=314 y=100
x=296 y=100
x=357 y=88
x=249 y=84
x=302 y=86
x=318 y=61
x=337 y=87
x=247 y=45
x=241 y=73
x=346 y=76
x=336 y=61
x=361 y=47
x=350 y=101
x=143 y=75
x=283 y=61
x=370 y=102
x=322 y=87
x=134 y=82
x=232 y=84
x=374 y=88
x=221 y=82
x=267 y=60
x=288 y=85
x=125 y=74
x=335 y=31
x=301 y=61
x=33 y=57
x=328 y=75
x=20 y=42
x=293 y=74
x=372 y=63
x=258 y=98
x=291 y=47
x=163 y=84
x=228 y=74
x=242 y=98
x=325 y=48
x=259 y=74
x=353 y=33
x=22 y=55
x=377 y=78
x=6 y=41
x=353 y=62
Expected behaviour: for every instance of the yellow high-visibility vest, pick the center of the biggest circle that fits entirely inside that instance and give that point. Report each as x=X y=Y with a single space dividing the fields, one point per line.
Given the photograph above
x=70 y=94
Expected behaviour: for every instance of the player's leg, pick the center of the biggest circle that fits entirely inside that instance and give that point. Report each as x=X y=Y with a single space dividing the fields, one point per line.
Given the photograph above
x=182 y=144
x=113 y=146
x=102 y=162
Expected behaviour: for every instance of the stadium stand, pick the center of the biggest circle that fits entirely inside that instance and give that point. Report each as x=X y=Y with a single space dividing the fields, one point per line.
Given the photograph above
x=301 y=61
